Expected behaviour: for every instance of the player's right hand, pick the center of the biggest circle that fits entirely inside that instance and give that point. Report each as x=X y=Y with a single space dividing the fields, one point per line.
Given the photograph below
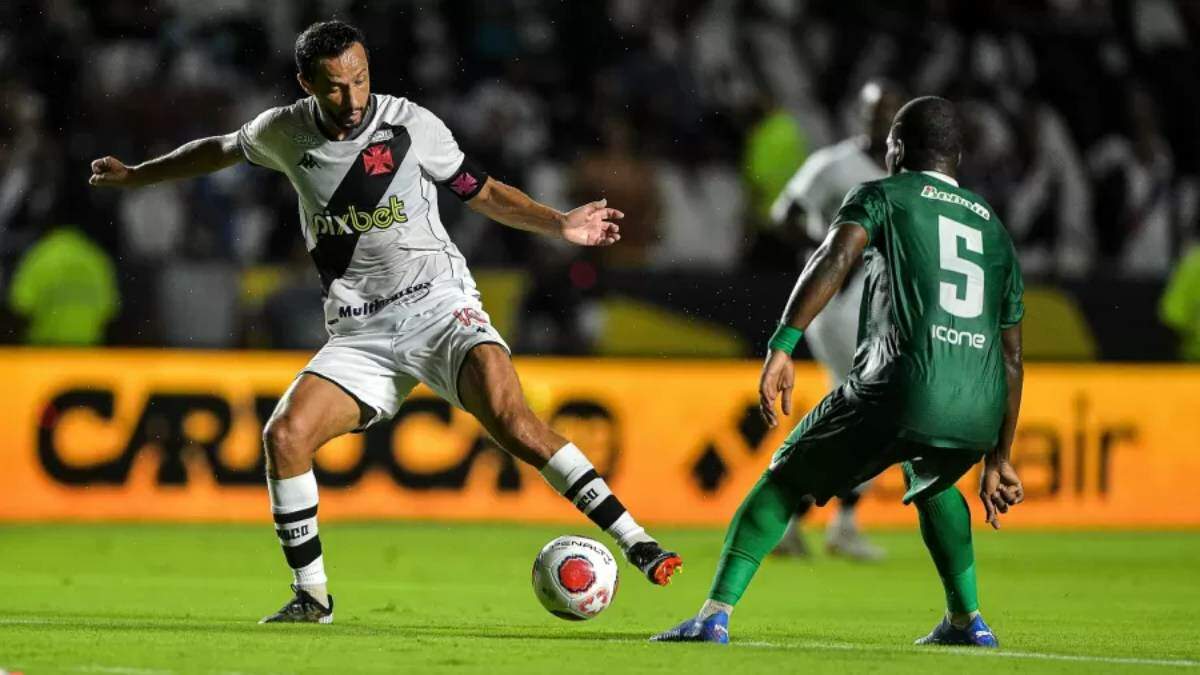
x=110 y=172
x=999 y=489
x=778 y=379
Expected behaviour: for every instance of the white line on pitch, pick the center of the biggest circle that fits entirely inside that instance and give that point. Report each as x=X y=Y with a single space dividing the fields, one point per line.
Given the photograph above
x=968 y=651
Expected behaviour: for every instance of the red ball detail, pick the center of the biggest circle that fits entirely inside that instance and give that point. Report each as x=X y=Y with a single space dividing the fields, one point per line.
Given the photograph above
x=576 y=574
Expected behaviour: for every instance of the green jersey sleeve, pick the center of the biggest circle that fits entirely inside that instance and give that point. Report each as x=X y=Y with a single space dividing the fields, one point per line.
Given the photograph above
x=865 y=205
x=1013 y=306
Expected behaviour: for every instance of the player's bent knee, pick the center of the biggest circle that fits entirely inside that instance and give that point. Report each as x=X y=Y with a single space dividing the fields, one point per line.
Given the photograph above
x=284 y=440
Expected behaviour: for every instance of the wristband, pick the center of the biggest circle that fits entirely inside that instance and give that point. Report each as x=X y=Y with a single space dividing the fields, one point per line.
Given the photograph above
x=785 y=338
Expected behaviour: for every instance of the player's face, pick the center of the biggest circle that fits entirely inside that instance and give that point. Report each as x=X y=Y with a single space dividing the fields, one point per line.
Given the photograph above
x=342 y=87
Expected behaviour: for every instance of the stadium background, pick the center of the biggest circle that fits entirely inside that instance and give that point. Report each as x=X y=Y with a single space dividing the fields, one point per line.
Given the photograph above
x=147 y=333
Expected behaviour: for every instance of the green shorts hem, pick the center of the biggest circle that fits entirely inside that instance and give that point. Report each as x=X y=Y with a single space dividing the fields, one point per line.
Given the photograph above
x=944 y=442
x=932 y=472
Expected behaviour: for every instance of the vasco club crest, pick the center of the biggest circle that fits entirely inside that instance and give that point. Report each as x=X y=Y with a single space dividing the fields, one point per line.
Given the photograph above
x=378 y=160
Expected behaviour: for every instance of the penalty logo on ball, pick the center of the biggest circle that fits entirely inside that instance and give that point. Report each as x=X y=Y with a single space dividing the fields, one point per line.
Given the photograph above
x=575 y=578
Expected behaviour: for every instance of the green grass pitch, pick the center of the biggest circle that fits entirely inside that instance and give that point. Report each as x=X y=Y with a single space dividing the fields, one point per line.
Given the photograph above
x=426 y=597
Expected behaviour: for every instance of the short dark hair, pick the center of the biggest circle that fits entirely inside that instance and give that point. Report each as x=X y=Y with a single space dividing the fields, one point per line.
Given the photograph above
x=323 y=40
x=931 y=131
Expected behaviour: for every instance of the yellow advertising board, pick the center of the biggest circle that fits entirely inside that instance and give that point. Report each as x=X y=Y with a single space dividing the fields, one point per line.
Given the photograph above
x=163 y=435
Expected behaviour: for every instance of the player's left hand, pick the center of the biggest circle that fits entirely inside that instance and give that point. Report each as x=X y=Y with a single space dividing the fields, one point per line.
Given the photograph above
x=591 y=225
x=778 y=379
x=999 y=488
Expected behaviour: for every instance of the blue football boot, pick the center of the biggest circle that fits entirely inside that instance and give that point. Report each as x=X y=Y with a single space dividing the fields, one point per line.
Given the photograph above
x=976 y=634
x=713 y=629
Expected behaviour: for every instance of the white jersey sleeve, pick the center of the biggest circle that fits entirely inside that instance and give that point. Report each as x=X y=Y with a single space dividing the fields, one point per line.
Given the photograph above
x=259 y=140
x=806 y=191
x=821 y=183
x=436 y=150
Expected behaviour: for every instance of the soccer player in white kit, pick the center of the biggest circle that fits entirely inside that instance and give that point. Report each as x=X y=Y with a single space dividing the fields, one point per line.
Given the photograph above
x=806 y=207
x=401 y=306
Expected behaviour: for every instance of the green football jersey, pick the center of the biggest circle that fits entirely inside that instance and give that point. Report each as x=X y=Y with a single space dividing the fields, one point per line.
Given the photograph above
x=942 y=281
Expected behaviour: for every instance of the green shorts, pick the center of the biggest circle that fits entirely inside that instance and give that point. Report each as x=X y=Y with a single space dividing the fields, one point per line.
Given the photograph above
x=843 y=442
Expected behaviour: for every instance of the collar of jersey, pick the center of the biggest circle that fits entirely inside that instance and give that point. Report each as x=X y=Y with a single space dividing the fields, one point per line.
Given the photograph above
x=941 y=176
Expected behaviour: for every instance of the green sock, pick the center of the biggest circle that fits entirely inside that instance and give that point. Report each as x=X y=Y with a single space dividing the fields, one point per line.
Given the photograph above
x=946 y=528
x=756 y=528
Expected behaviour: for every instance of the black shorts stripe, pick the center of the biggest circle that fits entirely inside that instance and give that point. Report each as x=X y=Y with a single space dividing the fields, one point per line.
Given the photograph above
x=302 y=554
x=607 y=512
x=302 y=514
x=586 y=478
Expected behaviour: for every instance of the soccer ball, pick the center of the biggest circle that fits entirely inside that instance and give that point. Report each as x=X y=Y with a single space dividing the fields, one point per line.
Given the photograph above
x=575 y=578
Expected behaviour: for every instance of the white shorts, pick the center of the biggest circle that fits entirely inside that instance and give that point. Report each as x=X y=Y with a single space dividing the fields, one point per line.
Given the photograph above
x=379 y=369
x=833 y=334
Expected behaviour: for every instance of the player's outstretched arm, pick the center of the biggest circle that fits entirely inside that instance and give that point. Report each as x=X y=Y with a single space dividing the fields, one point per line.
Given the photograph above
x=1000 y=487
x=821 y=279
x=201 y=156
x=588 y=225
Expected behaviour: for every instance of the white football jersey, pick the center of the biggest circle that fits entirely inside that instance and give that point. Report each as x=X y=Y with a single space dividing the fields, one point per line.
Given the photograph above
x=368 y=206
x=821 y=183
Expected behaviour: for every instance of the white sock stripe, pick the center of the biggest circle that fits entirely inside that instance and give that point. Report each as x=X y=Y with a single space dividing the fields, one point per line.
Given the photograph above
x=281 y=517
x=627 y=532
x=294 y=534
x=565 y=466
x=591 y=495
x=311 y=574
x=293 y=494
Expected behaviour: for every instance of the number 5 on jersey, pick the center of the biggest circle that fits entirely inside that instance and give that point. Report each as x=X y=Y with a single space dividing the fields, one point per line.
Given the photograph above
x=970 y=305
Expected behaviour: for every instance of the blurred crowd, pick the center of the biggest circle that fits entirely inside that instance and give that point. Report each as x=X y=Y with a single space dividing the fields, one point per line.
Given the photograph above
x=690 y=115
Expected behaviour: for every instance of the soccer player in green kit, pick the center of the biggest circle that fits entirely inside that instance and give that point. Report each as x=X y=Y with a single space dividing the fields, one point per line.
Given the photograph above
x=936 y=383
